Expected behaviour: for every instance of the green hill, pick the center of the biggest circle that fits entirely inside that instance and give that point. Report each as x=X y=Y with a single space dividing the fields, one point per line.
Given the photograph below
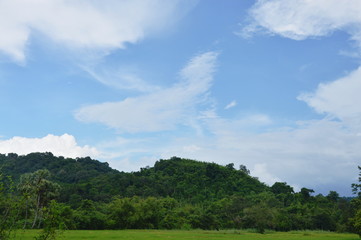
x=182 y=179
x=174 y=193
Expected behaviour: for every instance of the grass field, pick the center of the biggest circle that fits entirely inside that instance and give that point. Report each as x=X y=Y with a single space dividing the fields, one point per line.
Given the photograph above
x=194 y=234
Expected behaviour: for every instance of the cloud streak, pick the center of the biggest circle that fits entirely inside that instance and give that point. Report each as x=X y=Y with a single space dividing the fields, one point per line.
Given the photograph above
x=124 y=78
x=160 y=110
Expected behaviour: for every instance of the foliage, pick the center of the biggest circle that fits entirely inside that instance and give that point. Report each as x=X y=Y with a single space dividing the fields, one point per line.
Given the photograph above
x=173 y=194
x=260 y=216
x=182 y=179
x=55 y=217
x=9 y=207
x=356 y=187
x=89 y=215
x=197 y=234
x=356 y=220
x=38 y=190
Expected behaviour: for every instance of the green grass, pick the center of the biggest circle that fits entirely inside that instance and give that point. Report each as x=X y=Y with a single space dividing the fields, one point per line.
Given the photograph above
x=189 y=235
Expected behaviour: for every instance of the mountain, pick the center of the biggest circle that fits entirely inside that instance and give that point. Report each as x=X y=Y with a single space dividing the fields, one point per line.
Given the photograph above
x=182 y=179
x=175 y=193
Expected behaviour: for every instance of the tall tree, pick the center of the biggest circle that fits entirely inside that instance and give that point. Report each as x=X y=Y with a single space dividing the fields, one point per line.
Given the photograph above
x=357 y=219
x=356 y=187
x=38 y=189
x=9 y=207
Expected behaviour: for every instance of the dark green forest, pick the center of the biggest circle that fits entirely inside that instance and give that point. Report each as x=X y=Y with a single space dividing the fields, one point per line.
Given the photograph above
x=40 y=190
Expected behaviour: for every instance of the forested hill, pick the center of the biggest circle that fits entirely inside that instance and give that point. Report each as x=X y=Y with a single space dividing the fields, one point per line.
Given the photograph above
x=183 y=179
x=64 y=170
x=187 y=179
x=173 y=194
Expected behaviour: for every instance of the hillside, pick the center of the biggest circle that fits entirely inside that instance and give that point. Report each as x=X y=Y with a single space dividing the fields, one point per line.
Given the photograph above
x=64 y=170
x=174 y=193
x=200 y=181
x=182 y=179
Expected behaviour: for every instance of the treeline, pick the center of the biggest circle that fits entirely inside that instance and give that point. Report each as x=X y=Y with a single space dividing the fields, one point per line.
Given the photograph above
x=182 y=179
x=173 y=194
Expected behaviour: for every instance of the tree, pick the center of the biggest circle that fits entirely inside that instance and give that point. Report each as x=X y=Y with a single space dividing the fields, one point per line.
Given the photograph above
x=9 y=207
x=333 y=196
x=174 y=194
x=260 y=216
x=122 y=211
x=357 y=223
x=281 y=187
x=38 y=190
x=230 y=166
x=55 y=218
x=306 y=194
x=244 y=169
x=357 y=219
x=283 y=192
x=89 y=215
x=357 y=187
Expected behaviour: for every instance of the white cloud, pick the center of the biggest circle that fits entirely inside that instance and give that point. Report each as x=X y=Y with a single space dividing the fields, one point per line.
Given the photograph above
x=331 y=145
x=97 y=24
x=231 y=105
x=301 y=19
x=160 y=110
x=64 y=145
x=261 y=170
x=338 y=99
x=316 y=154
x=319 y=154
x=122 y=78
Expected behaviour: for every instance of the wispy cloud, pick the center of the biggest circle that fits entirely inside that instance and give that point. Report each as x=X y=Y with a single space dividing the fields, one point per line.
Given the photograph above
x=98 y=24
x=231 y=105
x=64 y=145
x=160 y=110
x=123 y=77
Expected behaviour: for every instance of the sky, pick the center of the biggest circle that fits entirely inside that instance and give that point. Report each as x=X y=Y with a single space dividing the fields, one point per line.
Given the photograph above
x=270 y=84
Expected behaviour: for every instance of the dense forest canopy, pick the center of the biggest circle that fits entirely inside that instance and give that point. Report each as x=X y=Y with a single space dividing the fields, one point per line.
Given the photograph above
x=183 y=179
x=173 y=194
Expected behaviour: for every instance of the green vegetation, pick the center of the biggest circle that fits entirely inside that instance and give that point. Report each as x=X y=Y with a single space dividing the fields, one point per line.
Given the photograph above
x=356 y=220
x=182 y=179
x=194 y=234
x=41 y=191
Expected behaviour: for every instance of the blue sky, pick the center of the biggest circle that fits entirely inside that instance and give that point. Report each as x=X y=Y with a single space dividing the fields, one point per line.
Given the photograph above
x=273 y=85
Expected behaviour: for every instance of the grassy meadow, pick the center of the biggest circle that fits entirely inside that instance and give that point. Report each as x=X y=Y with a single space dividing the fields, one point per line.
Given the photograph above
x=193 y=234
